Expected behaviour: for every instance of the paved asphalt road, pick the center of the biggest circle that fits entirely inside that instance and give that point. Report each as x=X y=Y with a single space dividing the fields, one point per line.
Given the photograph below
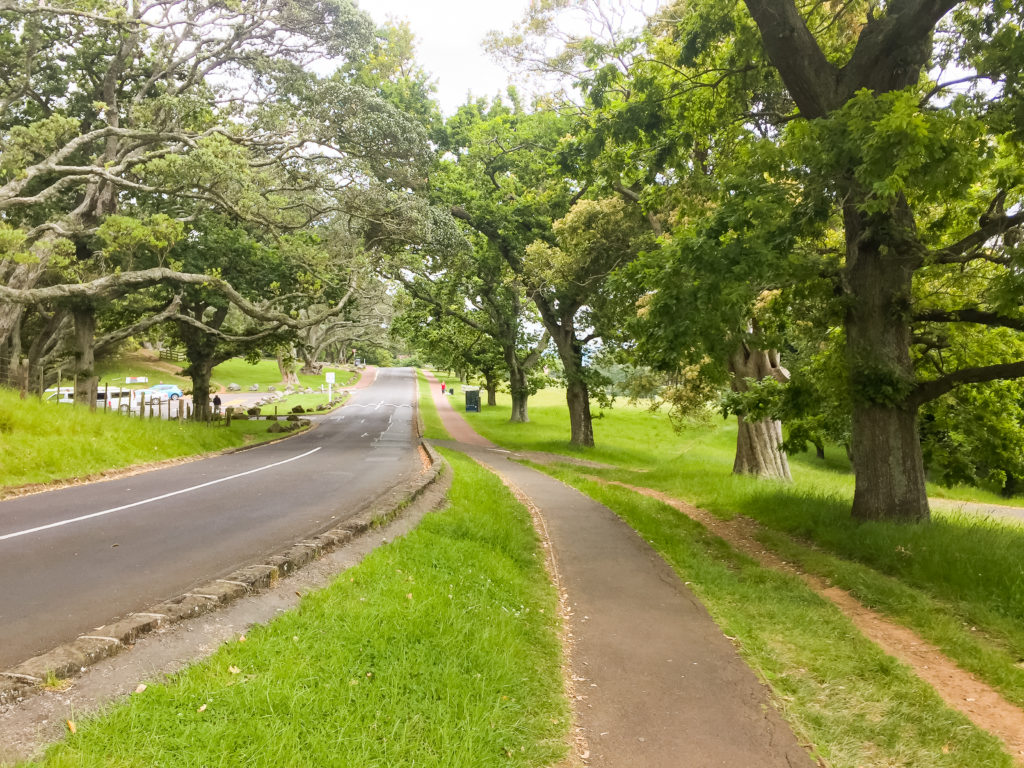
x=151 y=537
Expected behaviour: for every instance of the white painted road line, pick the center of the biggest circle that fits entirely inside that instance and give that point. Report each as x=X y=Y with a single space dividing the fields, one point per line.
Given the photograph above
x=79 y=519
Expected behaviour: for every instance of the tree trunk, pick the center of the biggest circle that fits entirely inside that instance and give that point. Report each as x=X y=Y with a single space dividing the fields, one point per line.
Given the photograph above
x=203 y=356
x=577 y=393
x=819 y=451
x=577 y=397
x=491 y=385
x=85 y=356
x=759 y=450
x=520 y=391
x=201 y=371
x=758 y=443
x=310 y=365
x=288 y=376
x=887 y=458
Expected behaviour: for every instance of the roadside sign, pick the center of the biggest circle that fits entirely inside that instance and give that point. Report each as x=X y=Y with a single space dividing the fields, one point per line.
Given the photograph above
x=330 y=377
x=136 y=380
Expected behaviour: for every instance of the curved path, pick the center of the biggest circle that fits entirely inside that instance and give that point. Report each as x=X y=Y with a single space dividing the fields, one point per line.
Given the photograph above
x=78 y=557
x=658 y=684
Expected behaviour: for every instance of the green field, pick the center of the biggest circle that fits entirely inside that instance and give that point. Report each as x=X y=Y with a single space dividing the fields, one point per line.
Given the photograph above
x=237 y=371
x=441 y=649
x=266 y=373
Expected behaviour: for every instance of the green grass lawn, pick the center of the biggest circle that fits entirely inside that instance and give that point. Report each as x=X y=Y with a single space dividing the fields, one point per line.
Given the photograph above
x=41 y=442
x=115 y=370
x=440 y=649
x=284 y=406
x=266 y=373
x=237 y=370
x=958 y=581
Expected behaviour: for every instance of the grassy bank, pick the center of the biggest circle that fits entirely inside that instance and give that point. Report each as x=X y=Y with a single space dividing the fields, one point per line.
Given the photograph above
x=41 y=442
x=841 y=692
x=958 y=581
x=433 y=429
x=440 y=649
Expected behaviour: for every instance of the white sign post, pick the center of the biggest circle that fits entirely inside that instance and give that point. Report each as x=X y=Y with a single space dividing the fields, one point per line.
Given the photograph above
x=330 y=384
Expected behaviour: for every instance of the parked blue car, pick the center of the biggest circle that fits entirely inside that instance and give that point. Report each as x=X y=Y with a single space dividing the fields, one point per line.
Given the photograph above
x=165 y=391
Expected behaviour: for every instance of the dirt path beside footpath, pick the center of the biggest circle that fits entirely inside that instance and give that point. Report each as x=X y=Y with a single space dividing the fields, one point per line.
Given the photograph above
x=962 y=691
x=656 y=684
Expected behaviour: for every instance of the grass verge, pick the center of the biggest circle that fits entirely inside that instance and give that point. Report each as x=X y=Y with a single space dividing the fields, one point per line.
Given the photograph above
x=440 y=649
x=858 y=706
x=41 y=442
x=433 y=429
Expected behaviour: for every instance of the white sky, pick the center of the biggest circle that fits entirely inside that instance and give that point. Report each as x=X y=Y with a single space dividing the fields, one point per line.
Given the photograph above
x=448 y=37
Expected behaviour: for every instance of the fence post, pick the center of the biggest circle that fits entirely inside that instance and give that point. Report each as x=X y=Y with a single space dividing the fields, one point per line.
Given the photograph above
x=106 y=396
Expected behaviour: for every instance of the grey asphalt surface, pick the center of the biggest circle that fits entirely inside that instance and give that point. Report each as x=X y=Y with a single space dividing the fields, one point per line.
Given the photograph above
x=62 y=581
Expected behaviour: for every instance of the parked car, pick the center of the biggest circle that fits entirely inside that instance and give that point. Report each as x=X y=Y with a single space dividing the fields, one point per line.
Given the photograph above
x=159 y=392
x=60 y=395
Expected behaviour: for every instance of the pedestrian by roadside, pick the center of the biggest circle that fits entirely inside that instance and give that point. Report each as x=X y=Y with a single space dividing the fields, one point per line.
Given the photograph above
x=216 y=404
x=442 y=387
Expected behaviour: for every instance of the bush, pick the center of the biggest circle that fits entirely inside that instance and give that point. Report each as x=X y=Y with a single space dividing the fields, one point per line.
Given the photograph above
x=254 y=411
x=292 y=417
x=276 y=427
x=298 y=409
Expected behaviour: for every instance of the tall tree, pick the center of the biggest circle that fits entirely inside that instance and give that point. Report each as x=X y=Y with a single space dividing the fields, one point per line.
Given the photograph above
x=578 y=304
x=895 y=152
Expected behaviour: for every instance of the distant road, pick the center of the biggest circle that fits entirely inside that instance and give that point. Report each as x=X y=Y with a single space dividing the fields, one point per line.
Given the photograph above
x=76 y=558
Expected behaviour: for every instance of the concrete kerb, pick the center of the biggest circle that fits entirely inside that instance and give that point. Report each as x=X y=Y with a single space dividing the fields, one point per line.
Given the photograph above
x=71 y=659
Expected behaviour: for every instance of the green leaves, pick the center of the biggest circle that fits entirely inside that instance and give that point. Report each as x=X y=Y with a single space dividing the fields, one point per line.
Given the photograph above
x=892 y=148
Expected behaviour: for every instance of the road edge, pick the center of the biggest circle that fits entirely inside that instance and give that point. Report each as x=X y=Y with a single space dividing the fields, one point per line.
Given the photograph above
x=71 y=659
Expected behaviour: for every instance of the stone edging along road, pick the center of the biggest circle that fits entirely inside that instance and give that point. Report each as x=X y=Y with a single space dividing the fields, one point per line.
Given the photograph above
x=70 y=659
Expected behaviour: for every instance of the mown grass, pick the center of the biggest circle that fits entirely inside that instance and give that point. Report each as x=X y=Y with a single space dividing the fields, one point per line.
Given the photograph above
x=41 y=442
x=285 y=405
x=857 y=705
x=433 y=429
x=959 y=581
x=237 y=370
x=266 y=373
x=440 y=649
x=116 y=369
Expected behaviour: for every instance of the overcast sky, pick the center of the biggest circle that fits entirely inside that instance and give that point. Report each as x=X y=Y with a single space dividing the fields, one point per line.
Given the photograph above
x=448 y=37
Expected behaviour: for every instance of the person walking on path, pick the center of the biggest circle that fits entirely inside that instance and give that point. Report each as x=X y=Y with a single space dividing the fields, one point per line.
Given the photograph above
x=216 y=404
x=442 y=387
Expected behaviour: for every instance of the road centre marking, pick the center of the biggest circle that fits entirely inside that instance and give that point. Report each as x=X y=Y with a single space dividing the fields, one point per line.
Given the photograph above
x=154 y=498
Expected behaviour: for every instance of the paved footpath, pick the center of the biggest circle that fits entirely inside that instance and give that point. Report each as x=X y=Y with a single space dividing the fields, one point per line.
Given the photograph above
x=661 y=685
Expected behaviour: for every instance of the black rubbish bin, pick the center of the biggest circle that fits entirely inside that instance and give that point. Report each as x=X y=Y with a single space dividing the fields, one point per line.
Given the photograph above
x=472 y=399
